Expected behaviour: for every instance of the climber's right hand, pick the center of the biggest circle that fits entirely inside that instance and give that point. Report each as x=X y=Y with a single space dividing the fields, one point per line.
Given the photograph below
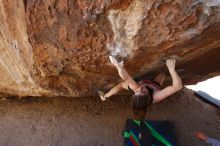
x=170 y=63
x=116 y=63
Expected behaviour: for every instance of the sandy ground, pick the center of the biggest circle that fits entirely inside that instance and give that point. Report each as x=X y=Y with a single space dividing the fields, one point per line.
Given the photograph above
x=90 y=122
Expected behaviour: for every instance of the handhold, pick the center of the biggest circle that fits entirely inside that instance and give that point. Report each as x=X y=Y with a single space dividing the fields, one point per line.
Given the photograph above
x=172 y=56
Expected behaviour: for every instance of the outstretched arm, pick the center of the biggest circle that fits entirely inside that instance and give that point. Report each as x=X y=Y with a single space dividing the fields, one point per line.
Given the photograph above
x=123 y=74
x=176 y=86
x=127 y=80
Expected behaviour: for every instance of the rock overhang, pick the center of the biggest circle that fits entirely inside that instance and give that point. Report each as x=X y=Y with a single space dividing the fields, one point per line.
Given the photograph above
x=61 y=47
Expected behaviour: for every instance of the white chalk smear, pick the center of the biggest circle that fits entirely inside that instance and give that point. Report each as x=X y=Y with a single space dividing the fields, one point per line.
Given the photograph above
x=189 y=33
x=207 y=4
x=212 y=3
x=117 y=50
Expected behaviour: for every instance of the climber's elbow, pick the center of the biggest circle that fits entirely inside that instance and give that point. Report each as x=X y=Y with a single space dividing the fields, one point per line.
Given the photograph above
x=178 y=86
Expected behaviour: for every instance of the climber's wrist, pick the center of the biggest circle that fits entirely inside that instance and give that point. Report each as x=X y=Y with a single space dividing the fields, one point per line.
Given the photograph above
x=171 y=70
x=119 y=67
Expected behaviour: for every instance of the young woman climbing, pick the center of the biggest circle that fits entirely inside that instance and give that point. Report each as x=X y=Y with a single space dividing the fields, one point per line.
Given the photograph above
x=145 y=92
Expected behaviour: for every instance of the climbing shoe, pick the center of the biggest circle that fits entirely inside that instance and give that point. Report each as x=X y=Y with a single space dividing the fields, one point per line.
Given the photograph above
x=101 y=94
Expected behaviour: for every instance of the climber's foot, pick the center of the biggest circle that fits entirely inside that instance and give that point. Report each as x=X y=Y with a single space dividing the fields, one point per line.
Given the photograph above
x=101 y=94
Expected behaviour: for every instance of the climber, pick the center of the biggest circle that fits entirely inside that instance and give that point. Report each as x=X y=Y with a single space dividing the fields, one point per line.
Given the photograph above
x=146 y=91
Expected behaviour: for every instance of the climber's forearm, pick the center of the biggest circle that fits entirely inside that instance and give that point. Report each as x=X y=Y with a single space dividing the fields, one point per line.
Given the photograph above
x=169 y=90
x=127 y=78
x=177 y=83
x=123 y=73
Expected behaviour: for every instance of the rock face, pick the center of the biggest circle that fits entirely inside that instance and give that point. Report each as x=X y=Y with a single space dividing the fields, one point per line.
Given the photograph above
x=61 y=47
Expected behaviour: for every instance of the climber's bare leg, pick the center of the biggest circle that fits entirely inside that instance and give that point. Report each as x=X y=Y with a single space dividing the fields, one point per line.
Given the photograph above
x=117 y=88
x=160 y=78
x=127 y=80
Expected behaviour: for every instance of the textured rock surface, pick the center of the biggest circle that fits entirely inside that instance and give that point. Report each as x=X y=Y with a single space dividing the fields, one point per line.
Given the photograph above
x=16 y=57
x=61 y=47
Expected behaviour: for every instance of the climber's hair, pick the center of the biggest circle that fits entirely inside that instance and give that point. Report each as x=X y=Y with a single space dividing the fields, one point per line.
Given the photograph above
x=139 y=105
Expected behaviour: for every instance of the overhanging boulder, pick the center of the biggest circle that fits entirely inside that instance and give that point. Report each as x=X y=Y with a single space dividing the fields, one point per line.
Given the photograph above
x=61 y=47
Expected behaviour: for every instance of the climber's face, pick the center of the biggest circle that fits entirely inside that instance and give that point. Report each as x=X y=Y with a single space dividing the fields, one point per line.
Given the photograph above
x=141 y=91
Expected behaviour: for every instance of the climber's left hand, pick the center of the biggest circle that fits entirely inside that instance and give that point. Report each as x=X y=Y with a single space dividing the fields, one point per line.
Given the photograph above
x=116 y=63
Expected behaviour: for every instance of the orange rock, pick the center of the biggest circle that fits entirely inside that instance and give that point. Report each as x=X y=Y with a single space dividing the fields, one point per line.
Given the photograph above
x=62 y=4
x=61 y=47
